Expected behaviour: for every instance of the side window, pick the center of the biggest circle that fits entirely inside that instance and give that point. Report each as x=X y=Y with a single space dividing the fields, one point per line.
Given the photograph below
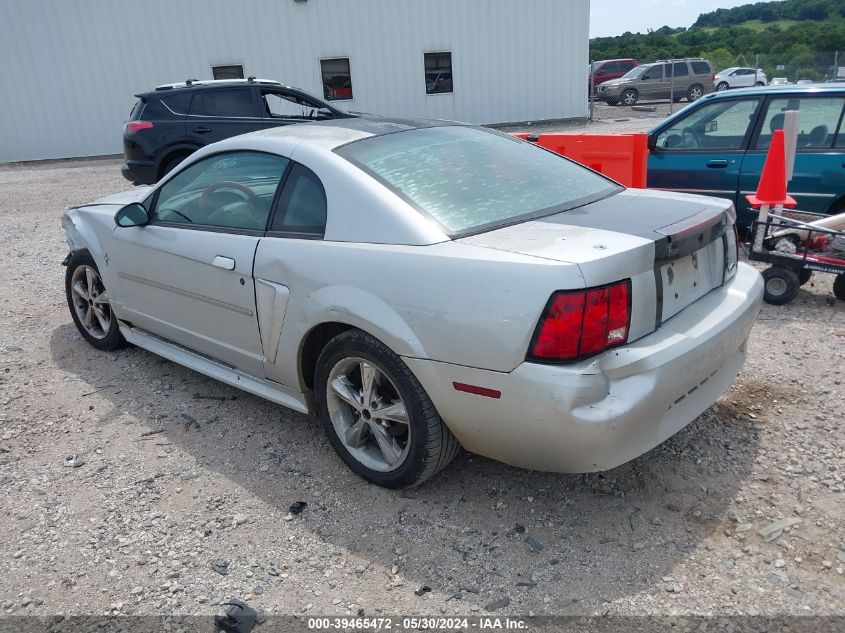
x=655 y=72
x=337 y=79
x=302 y=205
x=231 y=190
x=721 y=125
x=224 y=103
x=230 y=71
x=287 y=106
x=701 y=68
x=817 y=121
x=438 y=73
x=680 y=69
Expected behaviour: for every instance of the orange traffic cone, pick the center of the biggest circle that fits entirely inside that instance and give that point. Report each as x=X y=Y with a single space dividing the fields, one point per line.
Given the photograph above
x=772 y=188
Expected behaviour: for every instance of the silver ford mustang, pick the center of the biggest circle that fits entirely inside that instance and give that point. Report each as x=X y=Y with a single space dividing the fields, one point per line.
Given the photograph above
x=422 y=286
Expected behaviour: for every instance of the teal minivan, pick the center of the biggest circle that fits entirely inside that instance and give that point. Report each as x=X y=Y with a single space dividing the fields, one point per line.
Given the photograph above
x=717 y=146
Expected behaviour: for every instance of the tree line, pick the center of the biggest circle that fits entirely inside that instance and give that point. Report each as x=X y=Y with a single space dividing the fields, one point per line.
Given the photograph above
x=817 y=10
x=797 y=50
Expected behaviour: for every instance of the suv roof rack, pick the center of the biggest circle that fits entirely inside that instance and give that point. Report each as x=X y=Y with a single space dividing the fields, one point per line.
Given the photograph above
x=192 y=83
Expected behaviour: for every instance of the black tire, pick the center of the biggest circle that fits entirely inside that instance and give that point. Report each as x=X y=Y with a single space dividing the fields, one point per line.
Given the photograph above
x=170 y=164
x=839 y=286
x=722 y=86
x=781 y=285
x=693 y=90
x=629 y=97
x=112 y=338
x=431 y=445
x=804 y=276
x=759 y=83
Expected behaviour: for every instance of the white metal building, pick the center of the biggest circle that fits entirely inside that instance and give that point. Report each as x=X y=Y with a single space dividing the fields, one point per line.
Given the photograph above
x=70 y=68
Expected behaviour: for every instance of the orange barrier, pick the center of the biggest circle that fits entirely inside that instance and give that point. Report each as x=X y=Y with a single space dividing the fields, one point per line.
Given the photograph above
x=622 y=157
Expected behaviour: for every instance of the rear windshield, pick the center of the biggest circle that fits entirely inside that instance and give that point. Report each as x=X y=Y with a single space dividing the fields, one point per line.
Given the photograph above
x=470 y=180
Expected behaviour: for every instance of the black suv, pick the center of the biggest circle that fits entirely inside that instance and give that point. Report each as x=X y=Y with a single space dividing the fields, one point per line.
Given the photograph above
x=174 y=120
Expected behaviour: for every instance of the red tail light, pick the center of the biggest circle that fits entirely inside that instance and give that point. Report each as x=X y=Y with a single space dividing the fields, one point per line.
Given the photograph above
x=713 y=77
x=580 y=324
x=134 y=126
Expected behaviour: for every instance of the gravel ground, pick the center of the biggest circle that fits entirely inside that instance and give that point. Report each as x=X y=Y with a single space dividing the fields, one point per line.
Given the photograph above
x=606 y=118
x=132 y=485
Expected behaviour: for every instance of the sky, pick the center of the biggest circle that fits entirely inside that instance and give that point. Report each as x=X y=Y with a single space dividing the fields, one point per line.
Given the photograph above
x=614 y=17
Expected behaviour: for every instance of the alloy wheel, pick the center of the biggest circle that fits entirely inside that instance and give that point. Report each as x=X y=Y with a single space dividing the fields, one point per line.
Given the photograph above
x=91 y=301
x=368 y=414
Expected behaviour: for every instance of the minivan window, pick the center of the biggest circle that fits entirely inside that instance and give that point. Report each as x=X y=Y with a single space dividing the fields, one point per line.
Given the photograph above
x=701 y=68
x=468 y=179
x=226 y=103
x=654 y=72
x=680 y=69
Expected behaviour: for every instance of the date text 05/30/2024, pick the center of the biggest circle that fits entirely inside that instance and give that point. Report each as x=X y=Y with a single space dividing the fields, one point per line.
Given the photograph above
x=417 y=624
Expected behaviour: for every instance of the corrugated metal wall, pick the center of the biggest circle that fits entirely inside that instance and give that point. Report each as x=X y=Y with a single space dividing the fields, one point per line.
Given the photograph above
x=70 y=67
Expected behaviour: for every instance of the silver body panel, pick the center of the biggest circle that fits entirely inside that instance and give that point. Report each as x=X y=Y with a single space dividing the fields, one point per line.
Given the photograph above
x=455 y=310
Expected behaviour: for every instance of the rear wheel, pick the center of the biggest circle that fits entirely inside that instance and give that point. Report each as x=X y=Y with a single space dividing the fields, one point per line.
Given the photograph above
x=170 y=164
x=89 y=304
x=629 y=97
x=377 y=415
x=839 y=287
x=781 y=285
x=694 y=93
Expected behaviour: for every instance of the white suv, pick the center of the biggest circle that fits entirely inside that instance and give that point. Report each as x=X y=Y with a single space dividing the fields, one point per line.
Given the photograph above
x=736 y=77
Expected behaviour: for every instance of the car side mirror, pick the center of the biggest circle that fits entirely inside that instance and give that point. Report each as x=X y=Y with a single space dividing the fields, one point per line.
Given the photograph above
x=711 y=126
x=133 y=214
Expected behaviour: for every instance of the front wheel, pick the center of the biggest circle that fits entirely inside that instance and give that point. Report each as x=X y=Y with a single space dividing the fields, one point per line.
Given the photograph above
x=377 y=415
x=629 y=97
x=722 y=86
x=89 y=304
x=781 y=285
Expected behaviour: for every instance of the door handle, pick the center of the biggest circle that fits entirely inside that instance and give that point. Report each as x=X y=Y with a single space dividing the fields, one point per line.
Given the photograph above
x=227 y=263
x=717 y=164
x=201 y=130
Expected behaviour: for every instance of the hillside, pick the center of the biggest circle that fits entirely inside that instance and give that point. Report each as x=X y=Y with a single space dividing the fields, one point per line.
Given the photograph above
x=795 y=38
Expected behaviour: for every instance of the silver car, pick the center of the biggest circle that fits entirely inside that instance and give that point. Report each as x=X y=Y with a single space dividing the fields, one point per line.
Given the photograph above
x=422 y=286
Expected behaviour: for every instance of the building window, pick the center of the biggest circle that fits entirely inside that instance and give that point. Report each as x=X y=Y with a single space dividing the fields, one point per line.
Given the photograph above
x=337 y=80
x=231 y=71
x=438 y=73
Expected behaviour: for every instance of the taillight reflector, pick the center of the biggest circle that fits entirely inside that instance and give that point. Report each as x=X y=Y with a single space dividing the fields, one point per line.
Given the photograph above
x=478 y=391
x=134 y=126
x=580 y=324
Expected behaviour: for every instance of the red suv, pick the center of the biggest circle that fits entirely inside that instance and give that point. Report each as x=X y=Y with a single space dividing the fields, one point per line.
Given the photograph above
x=607 y=69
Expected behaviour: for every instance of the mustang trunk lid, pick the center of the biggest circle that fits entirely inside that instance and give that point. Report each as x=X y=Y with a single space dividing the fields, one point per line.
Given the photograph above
x=671 y=245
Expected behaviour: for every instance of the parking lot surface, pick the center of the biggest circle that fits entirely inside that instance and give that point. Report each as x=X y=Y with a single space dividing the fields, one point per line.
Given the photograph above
x=132 y=485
